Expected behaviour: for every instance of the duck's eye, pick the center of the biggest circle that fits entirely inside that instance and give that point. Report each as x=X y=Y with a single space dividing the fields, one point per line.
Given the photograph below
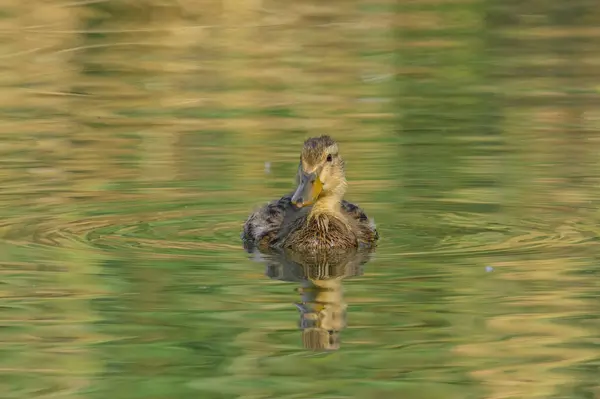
x=329 y=158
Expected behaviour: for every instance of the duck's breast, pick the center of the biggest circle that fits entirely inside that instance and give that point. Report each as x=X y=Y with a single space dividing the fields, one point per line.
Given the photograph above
x=322 y=232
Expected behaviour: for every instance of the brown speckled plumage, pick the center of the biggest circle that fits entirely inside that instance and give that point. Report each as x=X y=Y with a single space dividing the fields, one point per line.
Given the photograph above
x=279 y=224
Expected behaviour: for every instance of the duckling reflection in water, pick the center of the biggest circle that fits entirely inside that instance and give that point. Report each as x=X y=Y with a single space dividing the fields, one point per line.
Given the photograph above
x=320 y=274
x=315 y=216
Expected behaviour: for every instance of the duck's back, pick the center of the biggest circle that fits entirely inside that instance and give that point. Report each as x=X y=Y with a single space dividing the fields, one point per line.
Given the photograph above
x=366 y=229
x=279 y=223
x=263 y=225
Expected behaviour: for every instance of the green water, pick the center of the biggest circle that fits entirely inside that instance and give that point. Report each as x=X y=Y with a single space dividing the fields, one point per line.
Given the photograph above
x=137 y=136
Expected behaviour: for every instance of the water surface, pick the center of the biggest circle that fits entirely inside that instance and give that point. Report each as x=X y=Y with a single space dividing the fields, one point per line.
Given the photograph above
x=137 y=137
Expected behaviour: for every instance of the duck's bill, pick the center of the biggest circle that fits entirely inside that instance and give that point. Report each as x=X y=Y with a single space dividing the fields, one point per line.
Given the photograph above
x=308 y=190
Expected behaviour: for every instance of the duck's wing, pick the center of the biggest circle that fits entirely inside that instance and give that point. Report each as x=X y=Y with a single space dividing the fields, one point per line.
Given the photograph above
x=264 y=224
x=368 y=230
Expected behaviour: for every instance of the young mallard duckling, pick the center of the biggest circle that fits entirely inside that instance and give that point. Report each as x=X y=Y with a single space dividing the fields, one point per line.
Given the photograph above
x=315 y=216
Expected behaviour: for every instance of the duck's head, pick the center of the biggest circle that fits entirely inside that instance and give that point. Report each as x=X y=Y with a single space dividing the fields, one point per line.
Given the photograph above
x=320 y=173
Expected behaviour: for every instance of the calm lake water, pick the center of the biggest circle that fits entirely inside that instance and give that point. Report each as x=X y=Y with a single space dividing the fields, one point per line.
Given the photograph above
x=137 y=136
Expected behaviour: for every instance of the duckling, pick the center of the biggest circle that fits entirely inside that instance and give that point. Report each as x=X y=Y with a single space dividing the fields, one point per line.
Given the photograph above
x=315 y=216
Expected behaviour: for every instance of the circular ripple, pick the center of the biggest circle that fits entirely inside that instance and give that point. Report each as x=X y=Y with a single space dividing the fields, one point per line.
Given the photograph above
x=467 y=233
x=166 y=231
x=443 y=234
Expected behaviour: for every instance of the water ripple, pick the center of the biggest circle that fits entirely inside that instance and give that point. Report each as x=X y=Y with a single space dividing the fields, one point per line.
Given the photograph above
x=447 y=234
